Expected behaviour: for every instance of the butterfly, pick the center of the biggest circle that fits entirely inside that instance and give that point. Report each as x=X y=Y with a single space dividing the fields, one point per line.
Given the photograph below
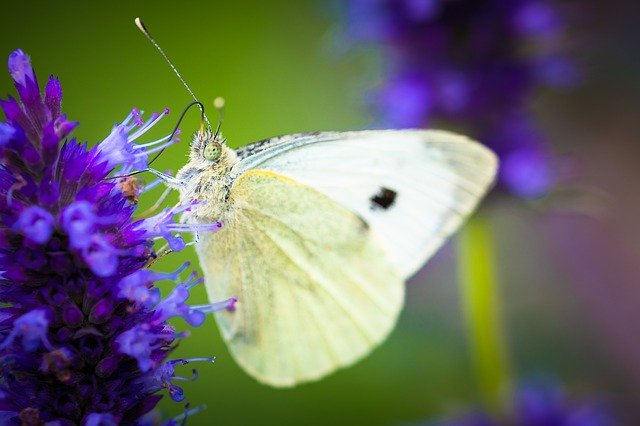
x=319 y=233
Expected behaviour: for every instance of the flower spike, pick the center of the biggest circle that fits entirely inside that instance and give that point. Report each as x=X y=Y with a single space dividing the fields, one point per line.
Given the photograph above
x=84 y=337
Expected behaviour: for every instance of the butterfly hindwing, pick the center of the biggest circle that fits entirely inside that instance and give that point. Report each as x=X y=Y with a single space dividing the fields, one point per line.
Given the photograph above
x=315 y=290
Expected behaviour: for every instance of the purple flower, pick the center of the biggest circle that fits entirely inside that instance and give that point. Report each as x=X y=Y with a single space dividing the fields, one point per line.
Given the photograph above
x=119 y=147
x=78 y=220
x=97 y=419
x=83 y=332
x=527 y=172
x=35 y=223
x=32 y=327
x=20 y=68
x=469 y=64
x=542 y=403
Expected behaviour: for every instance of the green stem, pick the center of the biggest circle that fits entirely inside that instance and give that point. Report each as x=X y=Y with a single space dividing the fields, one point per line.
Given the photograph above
x=482 y=312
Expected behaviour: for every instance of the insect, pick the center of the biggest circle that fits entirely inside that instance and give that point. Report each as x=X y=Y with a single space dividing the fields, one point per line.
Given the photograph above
x=320 y=232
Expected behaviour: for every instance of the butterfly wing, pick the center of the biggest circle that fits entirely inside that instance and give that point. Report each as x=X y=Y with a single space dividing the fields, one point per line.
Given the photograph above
x=412 y=187
x=315 y=291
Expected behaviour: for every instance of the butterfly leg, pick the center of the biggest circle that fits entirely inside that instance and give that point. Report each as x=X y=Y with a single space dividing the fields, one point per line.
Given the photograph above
x=170 y=181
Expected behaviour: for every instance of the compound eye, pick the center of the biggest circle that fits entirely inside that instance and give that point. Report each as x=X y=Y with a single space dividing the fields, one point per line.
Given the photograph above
x=212 y=151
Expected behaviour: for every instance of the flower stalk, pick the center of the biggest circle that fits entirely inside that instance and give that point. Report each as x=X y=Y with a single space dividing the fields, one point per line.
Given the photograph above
x=482 y=312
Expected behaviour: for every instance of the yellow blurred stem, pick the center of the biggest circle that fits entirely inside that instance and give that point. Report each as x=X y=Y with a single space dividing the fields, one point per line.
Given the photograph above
x=482 y=312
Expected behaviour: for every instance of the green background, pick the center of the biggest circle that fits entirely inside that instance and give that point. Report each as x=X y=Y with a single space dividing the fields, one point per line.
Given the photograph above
x=282 y=68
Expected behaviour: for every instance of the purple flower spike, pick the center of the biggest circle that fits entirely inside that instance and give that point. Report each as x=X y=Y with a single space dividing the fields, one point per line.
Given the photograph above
x=83 y=332
x=470 y=65
x=542 y=403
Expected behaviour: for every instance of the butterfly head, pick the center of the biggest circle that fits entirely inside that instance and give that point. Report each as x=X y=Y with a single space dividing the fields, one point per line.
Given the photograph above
x=209 y=151
x=203 y=177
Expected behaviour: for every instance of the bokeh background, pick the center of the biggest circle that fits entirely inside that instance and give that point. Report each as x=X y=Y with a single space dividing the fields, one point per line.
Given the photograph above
x=568 y=267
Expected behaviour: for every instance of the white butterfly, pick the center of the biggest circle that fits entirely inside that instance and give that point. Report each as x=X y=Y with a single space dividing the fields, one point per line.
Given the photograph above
x=319 y=233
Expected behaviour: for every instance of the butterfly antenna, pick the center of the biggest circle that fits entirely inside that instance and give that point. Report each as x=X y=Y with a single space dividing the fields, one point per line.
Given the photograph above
x=144 y=30
x=218 y=104
x=177 y=127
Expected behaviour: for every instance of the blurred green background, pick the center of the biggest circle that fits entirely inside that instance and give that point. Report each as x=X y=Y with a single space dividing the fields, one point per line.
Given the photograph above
x=281 y=69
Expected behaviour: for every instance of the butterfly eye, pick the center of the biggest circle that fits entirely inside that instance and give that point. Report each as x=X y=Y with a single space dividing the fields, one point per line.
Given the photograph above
x=212 y=151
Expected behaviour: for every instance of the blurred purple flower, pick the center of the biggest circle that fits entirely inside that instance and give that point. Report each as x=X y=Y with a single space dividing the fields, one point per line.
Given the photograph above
x=83 y=331
x=469 y=64
x=542 y=403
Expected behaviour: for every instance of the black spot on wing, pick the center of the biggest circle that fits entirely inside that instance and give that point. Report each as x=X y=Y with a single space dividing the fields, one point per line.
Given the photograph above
x=383 y=199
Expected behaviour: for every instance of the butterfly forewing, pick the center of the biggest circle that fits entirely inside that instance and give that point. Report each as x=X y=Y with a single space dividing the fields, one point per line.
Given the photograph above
x=315 y=289
x=412 y=187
